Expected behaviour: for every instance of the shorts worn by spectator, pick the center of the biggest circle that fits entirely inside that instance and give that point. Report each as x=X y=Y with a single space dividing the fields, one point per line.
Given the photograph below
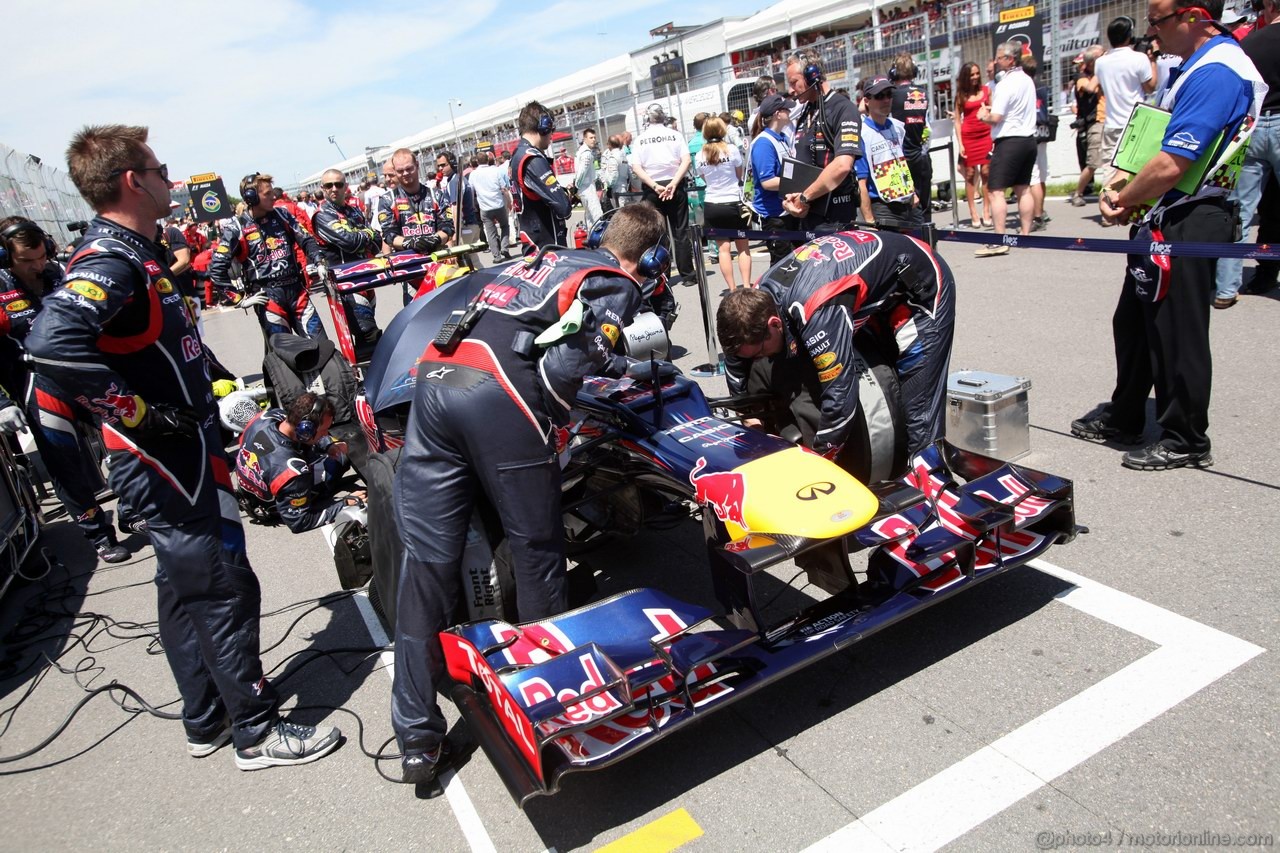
x=1161 y=322
x=150 y=391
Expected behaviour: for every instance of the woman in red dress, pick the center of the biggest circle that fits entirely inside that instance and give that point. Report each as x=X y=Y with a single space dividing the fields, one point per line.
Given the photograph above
x=975 y=140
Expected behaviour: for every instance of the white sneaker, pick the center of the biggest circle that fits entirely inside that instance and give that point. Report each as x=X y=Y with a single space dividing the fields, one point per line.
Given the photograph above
x=289 y=743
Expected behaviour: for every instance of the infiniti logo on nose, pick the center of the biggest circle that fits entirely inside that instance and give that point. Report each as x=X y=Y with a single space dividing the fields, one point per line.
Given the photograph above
x=813 y=490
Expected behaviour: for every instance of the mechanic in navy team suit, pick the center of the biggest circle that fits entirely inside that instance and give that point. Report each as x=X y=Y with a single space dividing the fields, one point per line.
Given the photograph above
x=289 y=461
x=541 y=203
x=118 y=338
x=345 y=235
x=263 y=240
x=489 y=414
x=1161 y=322
x=830 y=202
x=410 y=218
x=28 y=274
x=807 y=320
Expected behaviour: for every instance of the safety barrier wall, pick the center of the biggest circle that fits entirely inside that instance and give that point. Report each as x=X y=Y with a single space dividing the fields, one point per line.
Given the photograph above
x=41 y=193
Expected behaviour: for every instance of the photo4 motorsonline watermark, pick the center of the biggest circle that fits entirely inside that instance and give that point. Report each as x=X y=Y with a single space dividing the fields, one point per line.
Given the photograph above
x=1200 y=839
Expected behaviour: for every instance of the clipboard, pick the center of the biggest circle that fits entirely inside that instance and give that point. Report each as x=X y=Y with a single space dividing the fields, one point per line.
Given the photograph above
x=1143 y=137
x=796 y=177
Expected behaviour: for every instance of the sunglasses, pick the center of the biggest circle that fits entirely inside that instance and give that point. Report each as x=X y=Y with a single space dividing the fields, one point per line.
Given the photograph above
x=1155 y=22
x=333 y=185
x=163 y=169
x=883 y=96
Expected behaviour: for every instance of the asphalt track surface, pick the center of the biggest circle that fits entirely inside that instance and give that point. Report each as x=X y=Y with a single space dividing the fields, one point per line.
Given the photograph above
x=1118 y=697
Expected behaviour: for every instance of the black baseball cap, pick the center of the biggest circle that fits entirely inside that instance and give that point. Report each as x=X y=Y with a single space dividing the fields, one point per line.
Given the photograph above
x=878 y=85
x=773 y=103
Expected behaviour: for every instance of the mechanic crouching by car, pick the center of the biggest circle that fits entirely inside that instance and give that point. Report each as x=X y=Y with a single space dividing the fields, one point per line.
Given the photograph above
x=411 y=218
x=111 y=339
x=263 y=240
x=489 y=411
x=820 y=320
x=345 y=235
x=289 y=462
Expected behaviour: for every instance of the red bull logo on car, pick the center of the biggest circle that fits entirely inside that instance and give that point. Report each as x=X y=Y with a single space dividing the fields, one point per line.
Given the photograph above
x=724 y=491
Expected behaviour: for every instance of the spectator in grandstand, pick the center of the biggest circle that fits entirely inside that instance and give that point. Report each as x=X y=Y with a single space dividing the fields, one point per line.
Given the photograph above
x=660 y=162
x=911 y=107
x=768 y=150
x=721 y=167
x=1088 y=123
x=973 y=141
x=1012 y=115
x=493 y=196
x=885 y=189
x=1126 y=77
x=828 y=137
x=586 y=176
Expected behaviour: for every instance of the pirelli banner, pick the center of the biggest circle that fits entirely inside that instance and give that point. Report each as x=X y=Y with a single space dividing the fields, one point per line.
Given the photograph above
x=209 y=199
x=1021 y=25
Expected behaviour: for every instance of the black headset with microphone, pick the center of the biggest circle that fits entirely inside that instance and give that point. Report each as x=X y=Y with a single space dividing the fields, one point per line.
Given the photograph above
x=309 y=424
x=249 y=190
x=26 y=225
x=655 y=260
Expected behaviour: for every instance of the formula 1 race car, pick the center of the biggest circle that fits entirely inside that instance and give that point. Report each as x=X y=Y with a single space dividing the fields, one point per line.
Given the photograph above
x=588 y=687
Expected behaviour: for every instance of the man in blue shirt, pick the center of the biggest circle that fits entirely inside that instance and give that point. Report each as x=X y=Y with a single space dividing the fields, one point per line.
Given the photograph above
x=1161 y=323
x=767 y=152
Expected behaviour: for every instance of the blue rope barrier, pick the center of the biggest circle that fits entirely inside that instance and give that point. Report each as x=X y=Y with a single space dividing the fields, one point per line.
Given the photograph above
x=1246 y=251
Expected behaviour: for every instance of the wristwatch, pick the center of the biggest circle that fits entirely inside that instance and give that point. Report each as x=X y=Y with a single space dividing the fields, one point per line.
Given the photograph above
x=804 y=199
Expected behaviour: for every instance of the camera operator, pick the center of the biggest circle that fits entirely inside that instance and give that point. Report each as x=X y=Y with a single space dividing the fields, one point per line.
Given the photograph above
x=1127 y=74
x=288 y=460
x=1161 y=322
x=27 y=278
x=828 y=136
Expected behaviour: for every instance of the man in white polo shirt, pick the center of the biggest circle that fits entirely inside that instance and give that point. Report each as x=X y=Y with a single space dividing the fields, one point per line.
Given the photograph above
x=660 y=160
x=1126 y=77
x=1012 y=115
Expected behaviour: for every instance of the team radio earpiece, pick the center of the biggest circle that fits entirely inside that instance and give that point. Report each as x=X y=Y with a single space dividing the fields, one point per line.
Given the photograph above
x=546 y=124
x=893 y=72
x=249 y=190
x=309 y=425
x=655 y=261
x=6 y=240
x=813 y=75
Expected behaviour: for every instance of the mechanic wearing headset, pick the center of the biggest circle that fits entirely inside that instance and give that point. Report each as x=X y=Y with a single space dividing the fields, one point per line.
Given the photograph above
x=828 y=136
x=410 y=218
x=263 y=240
x=541 y=203
x=289 y=461
x=113 y=337
x=345 y=235
x=489 y=411
x=1161 y=322
x=804 y=325
x=28 y=275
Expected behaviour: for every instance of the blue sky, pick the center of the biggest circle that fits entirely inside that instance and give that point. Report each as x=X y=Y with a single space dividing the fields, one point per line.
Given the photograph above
x=236 y=86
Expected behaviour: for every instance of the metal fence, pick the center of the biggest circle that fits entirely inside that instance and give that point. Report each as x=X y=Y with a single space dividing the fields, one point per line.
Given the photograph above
x=41 y=193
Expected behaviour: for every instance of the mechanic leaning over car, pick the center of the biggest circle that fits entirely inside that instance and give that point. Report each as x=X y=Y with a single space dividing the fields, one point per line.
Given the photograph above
x=345 y=235
x=116 y=338
x=28 y=275
x=816 y=320
x=263 y=239
x=489 y=411
x=411 y=218
x=541 y=203
x=289 y=461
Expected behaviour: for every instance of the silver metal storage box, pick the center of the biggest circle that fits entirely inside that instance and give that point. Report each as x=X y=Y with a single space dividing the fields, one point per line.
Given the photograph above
x=987 y=413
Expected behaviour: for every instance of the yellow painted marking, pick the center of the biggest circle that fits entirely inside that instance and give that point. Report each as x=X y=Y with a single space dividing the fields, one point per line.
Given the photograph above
x=664 y=834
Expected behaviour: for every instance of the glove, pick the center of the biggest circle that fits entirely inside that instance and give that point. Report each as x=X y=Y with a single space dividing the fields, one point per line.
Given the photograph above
x=161 y=419
x=223 y=387
x=423 y=243
x=259 y=298
x=12 y=420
